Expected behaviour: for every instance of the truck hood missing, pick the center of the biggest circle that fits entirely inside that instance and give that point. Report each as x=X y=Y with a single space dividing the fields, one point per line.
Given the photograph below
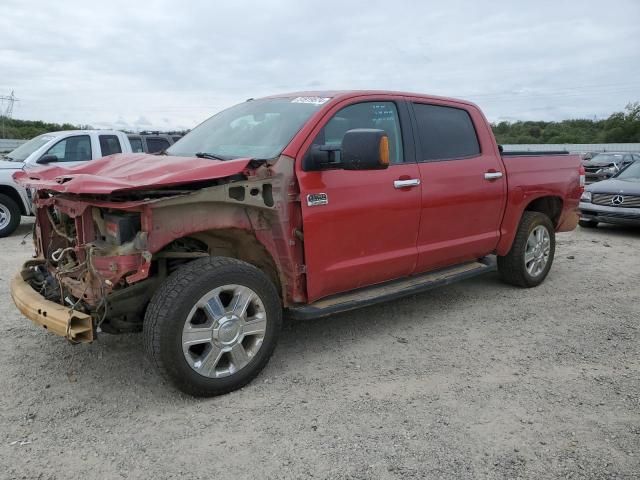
x=125 y=172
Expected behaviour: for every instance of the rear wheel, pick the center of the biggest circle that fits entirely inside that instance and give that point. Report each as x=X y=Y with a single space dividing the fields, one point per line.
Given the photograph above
x=213 y=325
x=588 y=223
x=529 y=260
x=9 y=215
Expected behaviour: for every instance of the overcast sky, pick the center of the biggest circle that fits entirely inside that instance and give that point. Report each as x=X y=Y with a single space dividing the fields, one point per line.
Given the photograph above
x=160 y=65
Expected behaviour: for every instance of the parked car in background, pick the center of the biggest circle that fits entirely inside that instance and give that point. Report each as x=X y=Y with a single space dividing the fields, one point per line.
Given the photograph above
x=68 y=148
x=616 y=200
x=312 y=203
x=589 y=155
x=145 y=142
x=606 y=165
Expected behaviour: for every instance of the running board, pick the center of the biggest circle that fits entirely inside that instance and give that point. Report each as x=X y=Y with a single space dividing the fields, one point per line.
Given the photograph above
x=383 y=292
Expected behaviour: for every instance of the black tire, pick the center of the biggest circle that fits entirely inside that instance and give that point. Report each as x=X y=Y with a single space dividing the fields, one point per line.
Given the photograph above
x=10 y=208
x=588 y=223
x=512 y=267
x=168 y=311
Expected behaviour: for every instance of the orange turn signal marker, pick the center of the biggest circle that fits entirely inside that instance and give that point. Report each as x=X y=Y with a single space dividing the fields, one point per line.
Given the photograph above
x=384 y=150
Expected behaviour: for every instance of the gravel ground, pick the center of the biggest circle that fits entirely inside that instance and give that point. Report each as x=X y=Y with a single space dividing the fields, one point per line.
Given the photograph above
x=475 y=380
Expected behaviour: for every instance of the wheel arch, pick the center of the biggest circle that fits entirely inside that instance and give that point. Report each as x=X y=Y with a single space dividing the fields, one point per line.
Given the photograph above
x=549 y=205
x=234 y=243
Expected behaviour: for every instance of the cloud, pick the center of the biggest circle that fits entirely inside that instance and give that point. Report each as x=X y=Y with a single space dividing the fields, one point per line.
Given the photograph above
x=159 y=66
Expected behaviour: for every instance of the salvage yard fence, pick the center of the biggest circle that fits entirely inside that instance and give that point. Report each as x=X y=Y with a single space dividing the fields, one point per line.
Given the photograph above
x=6 y=145
x=574 y=147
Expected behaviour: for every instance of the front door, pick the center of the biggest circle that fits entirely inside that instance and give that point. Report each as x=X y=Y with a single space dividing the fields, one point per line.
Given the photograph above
x=71 y=151
x=360 y=227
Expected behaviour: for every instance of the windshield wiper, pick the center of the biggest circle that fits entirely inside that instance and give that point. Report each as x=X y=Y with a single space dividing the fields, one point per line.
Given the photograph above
x=211 y=156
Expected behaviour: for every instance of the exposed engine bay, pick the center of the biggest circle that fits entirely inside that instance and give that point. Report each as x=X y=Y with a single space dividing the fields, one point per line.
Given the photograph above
x=104 y=255
x=98 y=277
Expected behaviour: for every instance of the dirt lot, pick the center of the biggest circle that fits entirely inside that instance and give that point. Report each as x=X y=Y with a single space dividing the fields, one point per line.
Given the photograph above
x=476 y=380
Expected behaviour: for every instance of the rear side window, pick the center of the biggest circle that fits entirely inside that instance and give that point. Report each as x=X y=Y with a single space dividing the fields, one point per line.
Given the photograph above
x=136 y=144
x=445 y=132
x=109 y=144
x=155 y=145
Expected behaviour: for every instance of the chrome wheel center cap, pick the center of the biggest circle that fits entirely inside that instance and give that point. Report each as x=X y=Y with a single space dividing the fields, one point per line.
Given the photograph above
x=229 y=329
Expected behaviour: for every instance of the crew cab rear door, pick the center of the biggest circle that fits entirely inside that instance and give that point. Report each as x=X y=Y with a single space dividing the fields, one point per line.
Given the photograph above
x=360 y=227
x=463 y=183
x=109 y=144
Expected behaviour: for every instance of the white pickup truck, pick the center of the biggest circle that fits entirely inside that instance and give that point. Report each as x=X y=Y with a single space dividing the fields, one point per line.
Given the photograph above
x=73 y=147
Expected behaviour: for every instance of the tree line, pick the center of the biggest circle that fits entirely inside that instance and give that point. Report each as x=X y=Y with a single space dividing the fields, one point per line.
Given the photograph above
x=27 y=129
x=620 y=127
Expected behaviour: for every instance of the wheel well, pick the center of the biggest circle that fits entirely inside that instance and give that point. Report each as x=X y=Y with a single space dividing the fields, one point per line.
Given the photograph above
x=232 y=243
x=13 y=194
x=550 y=206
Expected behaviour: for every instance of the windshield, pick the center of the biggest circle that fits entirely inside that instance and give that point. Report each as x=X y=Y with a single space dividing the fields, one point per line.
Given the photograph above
x=607 y=158
x=21 y=153
x=631 y=173
x=257 y=129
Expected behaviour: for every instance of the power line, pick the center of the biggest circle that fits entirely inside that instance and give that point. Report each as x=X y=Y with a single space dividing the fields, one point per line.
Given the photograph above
x=8 y=112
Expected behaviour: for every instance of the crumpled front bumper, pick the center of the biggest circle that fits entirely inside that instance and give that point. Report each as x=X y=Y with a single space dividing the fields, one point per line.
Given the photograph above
x=75 y=326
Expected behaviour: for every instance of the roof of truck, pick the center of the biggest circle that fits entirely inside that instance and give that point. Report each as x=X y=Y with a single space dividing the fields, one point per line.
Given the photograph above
x=59 y=133
x=343 y=94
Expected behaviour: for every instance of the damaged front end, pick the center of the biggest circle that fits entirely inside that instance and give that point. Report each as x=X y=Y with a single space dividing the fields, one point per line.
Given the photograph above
x=103 y=248
x=87 y=255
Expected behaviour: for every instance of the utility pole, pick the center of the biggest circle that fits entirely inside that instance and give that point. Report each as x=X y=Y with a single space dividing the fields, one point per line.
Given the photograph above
x=8 y=111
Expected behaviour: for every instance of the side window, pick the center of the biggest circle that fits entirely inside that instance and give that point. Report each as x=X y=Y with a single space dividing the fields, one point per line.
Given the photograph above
x=155 y=144
x=378 y=115
x=445 y=132
x=136 y=144
x=72 y=149
x=109 y=144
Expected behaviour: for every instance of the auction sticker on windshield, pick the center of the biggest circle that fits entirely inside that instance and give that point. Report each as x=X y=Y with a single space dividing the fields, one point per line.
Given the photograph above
x=313 y=100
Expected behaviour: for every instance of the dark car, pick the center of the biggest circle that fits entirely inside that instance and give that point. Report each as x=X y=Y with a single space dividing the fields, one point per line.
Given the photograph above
x=616 y=200
x=151 y=142
x=606 y=165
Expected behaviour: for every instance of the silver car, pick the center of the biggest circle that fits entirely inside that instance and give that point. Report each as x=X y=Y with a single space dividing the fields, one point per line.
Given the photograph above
x=616 y=200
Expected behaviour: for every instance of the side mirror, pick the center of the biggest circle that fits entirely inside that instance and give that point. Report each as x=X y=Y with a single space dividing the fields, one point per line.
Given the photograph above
x=365 y=149
x=47 y=159
x=362 y=149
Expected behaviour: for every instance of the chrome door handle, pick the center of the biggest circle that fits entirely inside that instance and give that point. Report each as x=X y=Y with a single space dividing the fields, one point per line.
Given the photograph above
x=412 y=182
x=492 y=175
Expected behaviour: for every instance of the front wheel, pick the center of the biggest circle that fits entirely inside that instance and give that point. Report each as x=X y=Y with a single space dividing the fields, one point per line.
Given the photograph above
x=529 y=260
x=212 y=326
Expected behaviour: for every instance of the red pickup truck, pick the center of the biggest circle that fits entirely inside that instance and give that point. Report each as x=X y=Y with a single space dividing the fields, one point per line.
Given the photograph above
x=306 y=204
